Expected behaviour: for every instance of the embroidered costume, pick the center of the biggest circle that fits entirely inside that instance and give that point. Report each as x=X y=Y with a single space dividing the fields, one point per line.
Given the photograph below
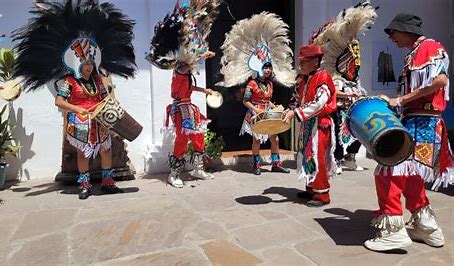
x=65 y=37
x=314 y=102
x=82 y=131
x=431 y=159
x=258 y=92
x=253 y=45
x=338 y=39
x=180 y=43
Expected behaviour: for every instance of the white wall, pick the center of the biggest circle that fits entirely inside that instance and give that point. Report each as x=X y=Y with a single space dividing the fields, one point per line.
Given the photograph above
x=144 y=97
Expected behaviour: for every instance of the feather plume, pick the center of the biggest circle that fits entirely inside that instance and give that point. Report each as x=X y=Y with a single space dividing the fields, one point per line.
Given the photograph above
x=181 y=35
x=335 y=36
x=267 y=29
x=41 y=43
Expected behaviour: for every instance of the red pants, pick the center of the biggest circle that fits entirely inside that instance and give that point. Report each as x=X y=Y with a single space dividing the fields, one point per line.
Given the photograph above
x=390 y=188
x=320 y=186
x=181 y=140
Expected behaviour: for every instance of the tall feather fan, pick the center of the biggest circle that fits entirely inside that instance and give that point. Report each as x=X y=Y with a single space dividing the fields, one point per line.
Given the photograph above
x=261 y=29
x=43 y=40
x=181 y=35
x=335 y=36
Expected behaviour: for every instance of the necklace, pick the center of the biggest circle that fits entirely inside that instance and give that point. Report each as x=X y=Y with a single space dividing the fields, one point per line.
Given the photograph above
x=90 y=86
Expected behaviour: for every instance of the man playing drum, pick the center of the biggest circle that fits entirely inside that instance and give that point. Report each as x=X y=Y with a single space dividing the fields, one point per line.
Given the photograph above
x=251 y=49
x=314 y=102
x=424 y=93
x=64 y=37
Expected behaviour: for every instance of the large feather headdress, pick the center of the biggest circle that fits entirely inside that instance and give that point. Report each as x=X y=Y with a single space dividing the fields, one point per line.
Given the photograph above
x=63 y=36
x=253 y=42
x=181 y=35
x=338 y=35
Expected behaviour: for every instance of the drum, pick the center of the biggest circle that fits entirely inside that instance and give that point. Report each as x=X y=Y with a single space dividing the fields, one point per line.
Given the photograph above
x=269 y=123
x=379 y=129
x=10 y=90
x=215 y=100
x=110 y=114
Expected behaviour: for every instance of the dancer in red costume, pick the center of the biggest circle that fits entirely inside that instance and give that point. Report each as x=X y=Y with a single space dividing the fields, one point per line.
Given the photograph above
x=189 y=123
x=424 y=93
x=314 y=102
x=180 y=43
x=68 y=39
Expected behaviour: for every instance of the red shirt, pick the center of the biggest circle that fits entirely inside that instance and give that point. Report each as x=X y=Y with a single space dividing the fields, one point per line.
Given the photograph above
x=181 y=87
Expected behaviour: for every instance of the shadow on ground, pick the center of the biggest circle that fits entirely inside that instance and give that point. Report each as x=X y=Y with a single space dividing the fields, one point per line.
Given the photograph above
x=65 y=188
x=288 y=194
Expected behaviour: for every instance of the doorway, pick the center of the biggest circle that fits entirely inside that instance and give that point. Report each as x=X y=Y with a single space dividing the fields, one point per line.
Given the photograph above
x=227 y=120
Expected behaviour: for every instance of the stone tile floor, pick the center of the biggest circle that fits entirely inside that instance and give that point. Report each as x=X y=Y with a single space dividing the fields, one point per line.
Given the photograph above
x=235 y=219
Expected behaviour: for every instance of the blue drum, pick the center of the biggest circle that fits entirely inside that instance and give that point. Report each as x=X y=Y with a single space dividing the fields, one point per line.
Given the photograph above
x=379 y=129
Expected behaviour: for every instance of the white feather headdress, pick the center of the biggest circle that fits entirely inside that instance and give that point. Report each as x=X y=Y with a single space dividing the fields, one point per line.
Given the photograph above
x=264 y=35
x=335 y=36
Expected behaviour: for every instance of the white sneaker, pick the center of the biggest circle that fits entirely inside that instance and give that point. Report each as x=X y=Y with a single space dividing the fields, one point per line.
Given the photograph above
x=175 y=181
x=349 y=162
x=338 y=169
x=387 y=240
x=201 y=174
x=423 y=227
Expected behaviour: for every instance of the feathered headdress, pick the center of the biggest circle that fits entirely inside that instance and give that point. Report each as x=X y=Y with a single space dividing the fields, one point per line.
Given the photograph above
x=181 y=35
x=253 y=42
x=338 y=38
x=63 y=36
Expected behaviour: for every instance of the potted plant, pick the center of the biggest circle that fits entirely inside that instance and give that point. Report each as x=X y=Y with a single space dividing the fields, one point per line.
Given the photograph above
x=214 y=146
x=6 y=147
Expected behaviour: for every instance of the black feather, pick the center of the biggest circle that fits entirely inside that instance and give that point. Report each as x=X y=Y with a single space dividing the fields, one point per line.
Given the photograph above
x=40 y=44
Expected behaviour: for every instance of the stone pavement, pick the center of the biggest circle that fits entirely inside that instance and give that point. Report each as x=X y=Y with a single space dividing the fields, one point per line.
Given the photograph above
x=235 y=219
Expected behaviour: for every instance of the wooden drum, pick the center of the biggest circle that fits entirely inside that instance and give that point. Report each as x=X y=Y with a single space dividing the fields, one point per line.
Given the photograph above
x=110 y=114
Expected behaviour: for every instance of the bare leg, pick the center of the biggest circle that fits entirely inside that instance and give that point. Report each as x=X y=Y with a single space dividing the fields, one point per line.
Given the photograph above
x=274 y=139
x=82 y=162
x=106 y=159
x=255 y=146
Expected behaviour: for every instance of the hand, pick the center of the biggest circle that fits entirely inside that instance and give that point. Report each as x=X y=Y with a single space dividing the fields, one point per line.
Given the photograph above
x=258 y=111
x=394 y=102
x=384 y=97
x=355 y=95
x=289 y=116
x=208 y=91
x=81 y=111
x=207 y=55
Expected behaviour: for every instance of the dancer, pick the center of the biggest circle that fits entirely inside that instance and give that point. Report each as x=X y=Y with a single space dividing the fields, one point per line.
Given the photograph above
x=314 y=103
x=68 y=38
x=267 y=60
x=341 y=59
x=179 y=43
x=425 y=91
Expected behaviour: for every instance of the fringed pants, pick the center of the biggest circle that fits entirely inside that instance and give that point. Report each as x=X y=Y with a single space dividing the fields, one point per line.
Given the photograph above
x=390 y=188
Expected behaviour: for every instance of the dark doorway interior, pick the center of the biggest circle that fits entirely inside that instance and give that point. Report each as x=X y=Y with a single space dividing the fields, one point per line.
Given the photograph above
x=227 y=120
